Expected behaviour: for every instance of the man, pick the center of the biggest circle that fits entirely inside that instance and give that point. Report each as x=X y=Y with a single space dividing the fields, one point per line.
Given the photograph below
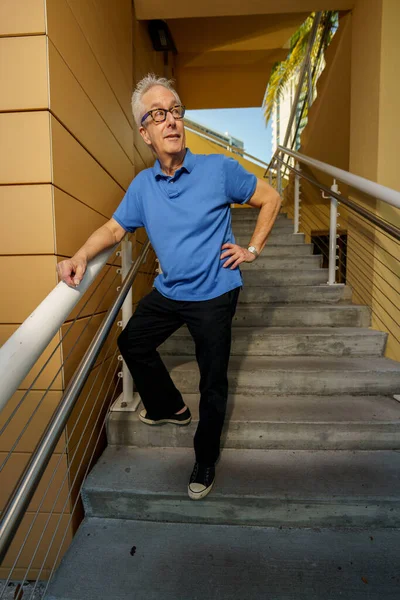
x=184 y=204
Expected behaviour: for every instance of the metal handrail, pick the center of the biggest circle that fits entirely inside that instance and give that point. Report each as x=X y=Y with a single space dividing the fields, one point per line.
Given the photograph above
x=377 y=190
x=36 y=332
x=26 y=487
x=388 y=227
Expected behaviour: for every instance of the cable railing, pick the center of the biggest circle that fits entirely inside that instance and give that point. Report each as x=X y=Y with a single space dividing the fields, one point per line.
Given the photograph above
x=368 y=258
x=44 y=507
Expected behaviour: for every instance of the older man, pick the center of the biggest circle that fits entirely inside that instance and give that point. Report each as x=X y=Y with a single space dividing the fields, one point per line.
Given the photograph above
x=184 y=204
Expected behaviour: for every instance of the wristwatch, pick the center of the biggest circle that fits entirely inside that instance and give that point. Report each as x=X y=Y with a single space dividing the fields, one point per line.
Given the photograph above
x=253 y=250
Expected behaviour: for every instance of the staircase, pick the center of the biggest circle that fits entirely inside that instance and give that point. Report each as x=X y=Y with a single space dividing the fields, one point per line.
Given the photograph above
x=306 y=504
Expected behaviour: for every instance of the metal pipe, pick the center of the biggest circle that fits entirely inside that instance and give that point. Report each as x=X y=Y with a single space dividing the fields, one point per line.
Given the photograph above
x=387 y=227
x=333 y=236
x=381 y=192
x=26 y=487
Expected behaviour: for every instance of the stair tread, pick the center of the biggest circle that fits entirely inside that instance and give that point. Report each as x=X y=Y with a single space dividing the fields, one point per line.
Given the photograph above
x=261 y=331
x=295 y=363
x=294 y=474
x=221 y=562
x=298 y=409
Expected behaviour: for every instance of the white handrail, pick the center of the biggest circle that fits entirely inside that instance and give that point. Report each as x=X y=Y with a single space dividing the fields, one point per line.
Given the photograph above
x=24 y=347
x=381 y=192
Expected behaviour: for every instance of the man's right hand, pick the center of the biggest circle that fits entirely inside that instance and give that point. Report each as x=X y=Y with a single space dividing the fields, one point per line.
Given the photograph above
x=72 y=270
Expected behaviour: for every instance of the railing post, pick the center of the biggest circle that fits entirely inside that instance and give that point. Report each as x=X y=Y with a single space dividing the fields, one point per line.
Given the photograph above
x=333 y=236
x=270 y=176
x=296 y=200
x=279 y=178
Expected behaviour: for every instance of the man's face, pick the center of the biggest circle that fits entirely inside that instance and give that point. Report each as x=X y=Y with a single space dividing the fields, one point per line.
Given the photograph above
x=168 y=137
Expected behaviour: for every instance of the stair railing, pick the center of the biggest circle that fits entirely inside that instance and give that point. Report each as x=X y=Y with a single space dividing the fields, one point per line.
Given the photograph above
x=17 y=357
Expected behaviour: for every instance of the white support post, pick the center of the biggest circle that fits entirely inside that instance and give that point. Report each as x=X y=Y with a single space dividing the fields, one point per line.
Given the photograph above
x=125 y=400
x=296 y=200
x=333 y=236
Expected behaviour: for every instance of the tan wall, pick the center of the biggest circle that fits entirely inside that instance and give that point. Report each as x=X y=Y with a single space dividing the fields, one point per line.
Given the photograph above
x=67 y=157
x=353 y=125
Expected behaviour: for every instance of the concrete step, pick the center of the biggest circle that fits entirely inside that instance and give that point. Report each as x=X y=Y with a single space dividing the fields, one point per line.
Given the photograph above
x=311 y=294
x=296 y=375
x=276 y=238
x=251 y=215
x=121 y=560
x=288 y=250
x=267 y=262
x=289 y=341
x=285 y=277
x=256 y=421
x=247 y=227
x=301 y=315
x=297 y=488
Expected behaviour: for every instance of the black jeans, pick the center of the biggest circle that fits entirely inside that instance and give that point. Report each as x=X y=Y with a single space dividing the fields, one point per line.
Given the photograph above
x=210 y=323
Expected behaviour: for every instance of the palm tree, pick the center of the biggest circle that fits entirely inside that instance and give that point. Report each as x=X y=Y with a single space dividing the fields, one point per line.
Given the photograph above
x=284 y=72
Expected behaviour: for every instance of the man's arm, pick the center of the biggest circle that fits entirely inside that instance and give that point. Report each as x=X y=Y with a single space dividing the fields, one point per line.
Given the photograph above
x=269 y=202
x=72 y=270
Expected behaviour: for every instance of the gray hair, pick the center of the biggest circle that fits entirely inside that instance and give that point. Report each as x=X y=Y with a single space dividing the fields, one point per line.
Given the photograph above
x=143 y=86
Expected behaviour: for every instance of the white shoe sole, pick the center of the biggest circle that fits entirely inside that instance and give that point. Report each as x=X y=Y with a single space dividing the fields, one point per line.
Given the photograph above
x=162 y=421
x=200 y=495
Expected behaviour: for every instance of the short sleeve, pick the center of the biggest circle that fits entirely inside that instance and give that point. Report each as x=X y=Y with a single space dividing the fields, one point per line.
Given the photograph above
x=129 y=213
x=239 y=183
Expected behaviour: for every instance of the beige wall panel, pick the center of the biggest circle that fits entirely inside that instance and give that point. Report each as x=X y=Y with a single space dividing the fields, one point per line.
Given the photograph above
x=73 y=108
x=23 y=65
x=139 y=162
x=118 y=19
x=38 y=424
x=45 y=378
x=79 y=175
x=29 y=280
x=25 y=148
x=365 y=80
x=22 y=17
x=159 y=9
x=102 y=41
x=55 y=524
x=102 y=291
x=68 y=38
x=85 y=337
x=389 y=117
x=13 y=470
x=88 y=416
x=27 y=210
x=74 y=222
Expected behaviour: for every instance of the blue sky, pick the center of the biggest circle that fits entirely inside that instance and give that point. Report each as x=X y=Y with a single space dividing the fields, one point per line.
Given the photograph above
x=247 y=124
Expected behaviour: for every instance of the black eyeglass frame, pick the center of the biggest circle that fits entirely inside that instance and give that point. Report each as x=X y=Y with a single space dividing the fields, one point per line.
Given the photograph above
x=165 y=110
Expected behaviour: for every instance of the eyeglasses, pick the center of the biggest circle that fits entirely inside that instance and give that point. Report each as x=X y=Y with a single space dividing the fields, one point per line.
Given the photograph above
x=160 y=114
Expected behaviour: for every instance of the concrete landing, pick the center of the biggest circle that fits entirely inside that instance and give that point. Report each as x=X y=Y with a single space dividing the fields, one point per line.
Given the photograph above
x=129 y=560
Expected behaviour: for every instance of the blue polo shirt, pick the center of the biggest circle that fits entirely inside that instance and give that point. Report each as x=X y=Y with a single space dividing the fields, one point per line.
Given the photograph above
x=187 y=218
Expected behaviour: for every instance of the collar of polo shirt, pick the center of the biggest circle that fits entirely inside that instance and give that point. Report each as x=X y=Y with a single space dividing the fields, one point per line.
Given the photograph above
x=188 y=165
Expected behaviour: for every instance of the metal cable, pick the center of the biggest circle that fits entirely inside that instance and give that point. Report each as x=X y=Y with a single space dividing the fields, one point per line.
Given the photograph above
x=51 y=512
x=60 y=342
x=76 y=501
x=48 y=388
x=65 y=448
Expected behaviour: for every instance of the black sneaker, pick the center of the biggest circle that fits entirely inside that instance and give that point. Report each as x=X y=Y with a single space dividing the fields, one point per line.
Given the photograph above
x=201 y=481
x=181 y=419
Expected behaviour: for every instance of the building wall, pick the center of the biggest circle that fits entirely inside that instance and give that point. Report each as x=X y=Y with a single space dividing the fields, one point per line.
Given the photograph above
x=352 y=125
x=68 y=150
